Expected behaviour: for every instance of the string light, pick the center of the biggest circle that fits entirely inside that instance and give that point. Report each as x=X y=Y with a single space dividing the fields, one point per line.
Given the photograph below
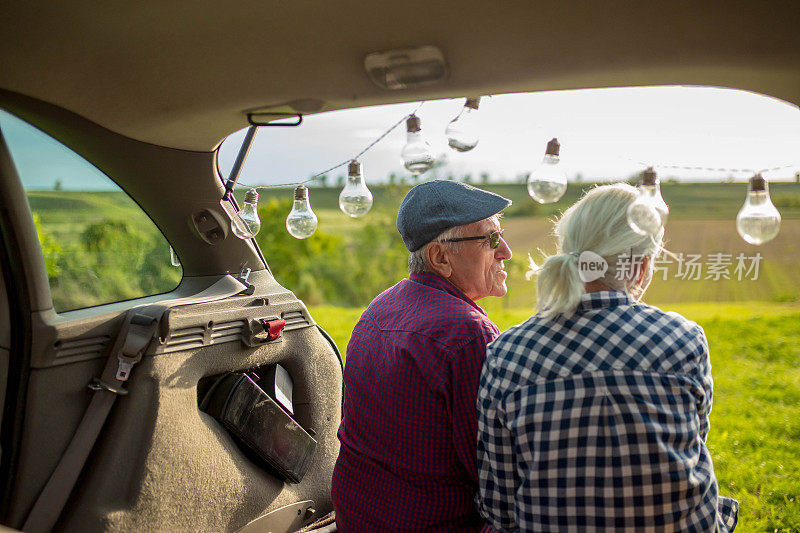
x=648 y=213
x=301 y=223
x=711 y=169
x=355 y=199
x=302 y=228
x=417 y=154
x=548 y=182
x=462 y=132
x=758 y=221
x=245 y=224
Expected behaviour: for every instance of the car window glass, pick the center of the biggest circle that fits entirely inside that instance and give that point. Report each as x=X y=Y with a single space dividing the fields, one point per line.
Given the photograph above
x=97 y=244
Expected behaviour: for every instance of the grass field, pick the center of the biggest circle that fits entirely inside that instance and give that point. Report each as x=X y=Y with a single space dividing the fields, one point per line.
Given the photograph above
x=65 y=214
x=755 y=422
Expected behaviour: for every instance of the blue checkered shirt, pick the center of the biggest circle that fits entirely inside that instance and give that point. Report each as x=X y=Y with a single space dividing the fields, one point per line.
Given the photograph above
x=598 y=421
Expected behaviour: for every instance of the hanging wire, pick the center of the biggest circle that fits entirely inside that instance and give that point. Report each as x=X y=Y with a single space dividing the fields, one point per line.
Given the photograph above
x=711 y=169
x=414 y=112
x=343 y=163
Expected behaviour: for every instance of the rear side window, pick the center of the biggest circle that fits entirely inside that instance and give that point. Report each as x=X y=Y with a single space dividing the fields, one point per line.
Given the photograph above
x=98 y=245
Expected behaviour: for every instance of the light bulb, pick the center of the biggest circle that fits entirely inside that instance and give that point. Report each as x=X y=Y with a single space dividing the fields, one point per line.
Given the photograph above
x=649 y=212
x=355 y=199
x=462 y=132
x=417 y=154
x=301 y=222
x=758 y=221
x=246 y=223
x=548 y=182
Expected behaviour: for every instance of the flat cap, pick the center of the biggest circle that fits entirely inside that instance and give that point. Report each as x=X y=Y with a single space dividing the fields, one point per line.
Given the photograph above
x=435 y=206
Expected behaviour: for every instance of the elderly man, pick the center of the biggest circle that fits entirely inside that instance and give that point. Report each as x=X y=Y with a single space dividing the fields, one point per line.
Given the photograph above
x=407 y=459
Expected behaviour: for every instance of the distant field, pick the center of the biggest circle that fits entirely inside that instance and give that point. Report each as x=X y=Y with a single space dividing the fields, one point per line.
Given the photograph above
x=702 y=222
x=778 y=279
x=686 y=200
x=99 y=247
x=65 y=214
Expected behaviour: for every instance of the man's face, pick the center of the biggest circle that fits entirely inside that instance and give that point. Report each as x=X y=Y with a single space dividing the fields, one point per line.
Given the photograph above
x=478 y=270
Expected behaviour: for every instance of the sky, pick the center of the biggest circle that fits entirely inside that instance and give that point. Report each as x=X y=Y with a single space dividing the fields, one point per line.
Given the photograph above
x=605 y=134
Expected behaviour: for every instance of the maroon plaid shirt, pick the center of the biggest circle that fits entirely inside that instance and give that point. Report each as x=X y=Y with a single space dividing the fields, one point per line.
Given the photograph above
x=409 y=432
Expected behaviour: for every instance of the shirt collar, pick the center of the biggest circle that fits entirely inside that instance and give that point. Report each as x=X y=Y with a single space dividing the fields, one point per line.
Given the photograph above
x=602 y=299
x=436 y=282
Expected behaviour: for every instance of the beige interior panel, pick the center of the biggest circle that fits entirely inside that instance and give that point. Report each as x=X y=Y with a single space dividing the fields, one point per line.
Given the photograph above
x=161 y=464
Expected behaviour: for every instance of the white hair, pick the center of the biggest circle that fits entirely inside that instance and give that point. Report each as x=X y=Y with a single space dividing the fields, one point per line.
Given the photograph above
x=598 y=222
x=418 y=260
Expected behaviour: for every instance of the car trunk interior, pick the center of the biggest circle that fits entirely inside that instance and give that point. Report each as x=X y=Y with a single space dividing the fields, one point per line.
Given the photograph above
x=147 y=96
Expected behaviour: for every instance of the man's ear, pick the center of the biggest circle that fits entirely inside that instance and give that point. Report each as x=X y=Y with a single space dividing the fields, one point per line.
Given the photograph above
x=438 y=256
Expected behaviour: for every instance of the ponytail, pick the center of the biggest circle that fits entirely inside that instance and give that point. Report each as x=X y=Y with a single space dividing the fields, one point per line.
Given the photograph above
x=597 y=222
x=559 y=286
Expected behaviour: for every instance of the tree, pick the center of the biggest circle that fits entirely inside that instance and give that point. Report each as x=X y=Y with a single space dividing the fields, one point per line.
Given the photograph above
x=50 y=248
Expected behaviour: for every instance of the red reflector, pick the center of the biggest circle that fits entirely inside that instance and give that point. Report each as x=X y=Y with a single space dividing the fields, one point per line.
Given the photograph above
x=275 y=327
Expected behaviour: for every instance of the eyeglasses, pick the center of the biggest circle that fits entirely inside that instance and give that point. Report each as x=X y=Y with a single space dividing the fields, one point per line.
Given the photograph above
x=494 y=238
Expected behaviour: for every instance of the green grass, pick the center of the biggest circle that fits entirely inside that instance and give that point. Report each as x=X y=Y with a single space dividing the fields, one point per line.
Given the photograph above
x=755 y=439
x=755 y=423
x=65 y=214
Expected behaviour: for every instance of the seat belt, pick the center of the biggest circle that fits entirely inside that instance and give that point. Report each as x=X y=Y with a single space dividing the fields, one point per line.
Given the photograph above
x=135 y=335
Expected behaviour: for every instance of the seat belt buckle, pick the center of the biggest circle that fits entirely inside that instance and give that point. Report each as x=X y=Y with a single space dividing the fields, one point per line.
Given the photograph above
x=124 y=369
x=140 y=332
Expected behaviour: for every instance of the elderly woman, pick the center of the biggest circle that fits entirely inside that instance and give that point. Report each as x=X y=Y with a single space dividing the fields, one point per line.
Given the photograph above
x=593 y=414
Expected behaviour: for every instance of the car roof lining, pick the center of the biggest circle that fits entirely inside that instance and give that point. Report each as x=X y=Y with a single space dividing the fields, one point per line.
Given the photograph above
x=185 y=75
